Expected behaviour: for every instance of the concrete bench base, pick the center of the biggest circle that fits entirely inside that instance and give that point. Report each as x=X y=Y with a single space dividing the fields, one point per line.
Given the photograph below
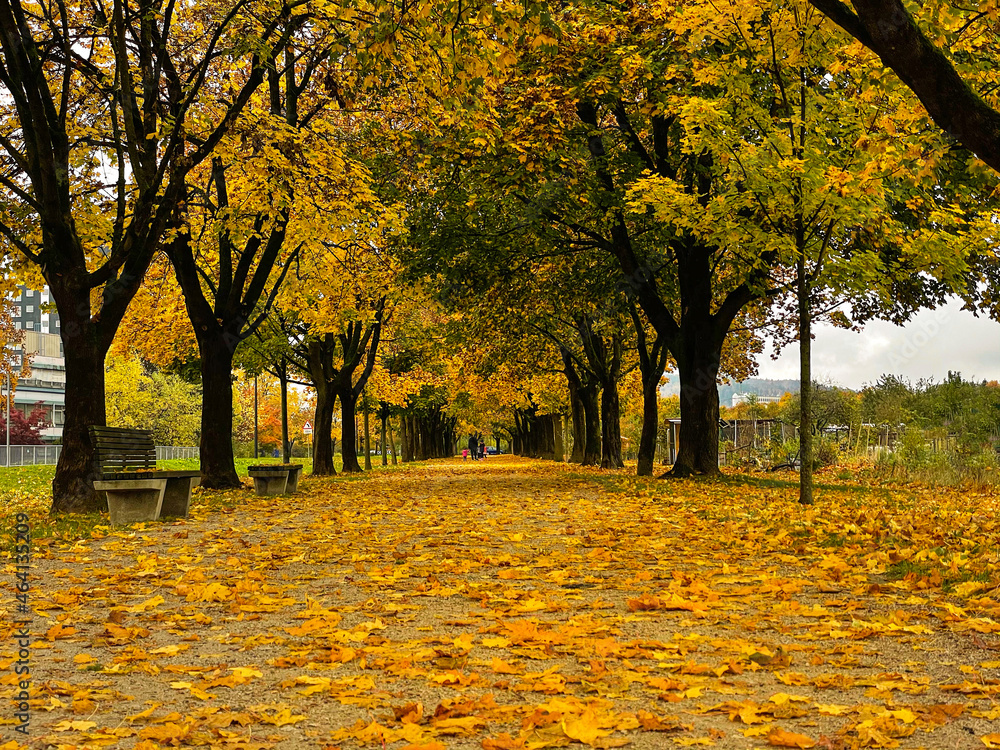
x=133 y=500
x=293 y=479
x=270 y=482
x=148 y=495
x=177 y=496
x=275 y=479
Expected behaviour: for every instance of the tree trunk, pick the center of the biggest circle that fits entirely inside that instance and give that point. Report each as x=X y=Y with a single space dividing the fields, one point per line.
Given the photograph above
x=392 y=441
x=652 y=362
x=286 y=449
x=560 y=448
x=579 y=419
x=424 y=442
x=545 y=425
x=592 y=420
x=348 y=430
x=323 y=443
x=805 y=386
x=406 y=445
x=218 y=465
x=611 y=435
x=650 y=426
x=73 y=485
x=368 y=439
x=382 y=444
x=698 y=452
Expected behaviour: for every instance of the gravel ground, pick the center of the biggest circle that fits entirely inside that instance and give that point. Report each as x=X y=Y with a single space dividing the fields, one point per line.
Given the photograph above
x=453 y=604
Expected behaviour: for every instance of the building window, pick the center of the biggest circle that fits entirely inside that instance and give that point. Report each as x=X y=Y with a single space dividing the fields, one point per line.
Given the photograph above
x=29 y=308
x=58 y=414
x=30 y=293
x=30 y=325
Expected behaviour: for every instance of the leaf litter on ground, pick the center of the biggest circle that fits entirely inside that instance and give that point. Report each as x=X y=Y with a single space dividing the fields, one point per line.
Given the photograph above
x=521 y=604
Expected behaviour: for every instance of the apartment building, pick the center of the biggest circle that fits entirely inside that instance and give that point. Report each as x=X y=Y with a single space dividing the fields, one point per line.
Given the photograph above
x=46 y=384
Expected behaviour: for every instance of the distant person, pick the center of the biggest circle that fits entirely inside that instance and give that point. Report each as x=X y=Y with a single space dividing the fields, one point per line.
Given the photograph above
x=465 y=454
x=276 y=453
x=474 y=447
x=482 y=449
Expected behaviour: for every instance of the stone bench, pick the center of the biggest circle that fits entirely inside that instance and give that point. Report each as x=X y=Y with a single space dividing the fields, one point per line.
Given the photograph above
x=275 y=479
x=136 y=490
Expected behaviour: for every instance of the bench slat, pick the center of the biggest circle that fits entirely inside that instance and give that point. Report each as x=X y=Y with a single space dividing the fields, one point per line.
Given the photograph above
x=118 y=449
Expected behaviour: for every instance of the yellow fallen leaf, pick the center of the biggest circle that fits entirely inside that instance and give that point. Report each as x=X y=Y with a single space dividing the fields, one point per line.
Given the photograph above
x=282 y=718
x=143 y=714
x=504 y=742
x=780 y=699
x=991 y=740
x=171 y=650
x=246 y=672
x=166 y=733
x=832 y=709
x=59 y=631
x=584 y=728
x=149 y=604
x=458 y=725
x=74 y=726
x=778 y=737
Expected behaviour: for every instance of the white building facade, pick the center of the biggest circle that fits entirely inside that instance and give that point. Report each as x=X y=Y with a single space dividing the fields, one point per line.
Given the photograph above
x=45 y=386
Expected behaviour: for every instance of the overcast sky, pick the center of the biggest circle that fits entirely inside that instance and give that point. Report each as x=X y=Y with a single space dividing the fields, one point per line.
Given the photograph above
x=930 y=345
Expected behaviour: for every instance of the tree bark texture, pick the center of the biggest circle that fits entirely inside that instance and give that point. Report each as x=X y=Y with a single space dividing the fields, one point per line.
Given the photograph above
x=652 y=362
x=586 y=442
x=348 y=433
x=887 y=28
x=317 y=361
x=383 y=445
x=650 y=429
x=286 y=448
x=611 y=435
x=218 y=464
x=698 y=449
x=73 y=485
x=806 y=456
x=592 y=419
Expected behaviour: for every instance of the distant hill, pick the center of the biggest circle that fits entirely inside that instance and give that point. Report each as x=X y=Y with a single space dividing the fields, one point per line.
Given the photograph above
x=760 y=386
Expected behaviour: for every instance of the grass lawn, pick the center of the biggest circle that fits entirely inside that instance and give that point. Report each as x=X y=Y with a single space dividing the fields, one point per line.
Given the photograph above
x=517 y=603
x=28 y=489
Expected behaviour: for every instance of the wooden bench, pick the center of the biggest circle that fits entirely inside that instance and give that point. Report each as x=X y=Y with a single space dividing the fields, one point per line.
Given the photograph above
x=275 y=479
x=125 y=461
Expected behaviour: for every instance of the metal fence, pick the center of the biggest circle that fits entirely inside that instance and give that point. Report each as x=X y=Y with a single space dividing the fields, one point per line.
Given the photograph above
x=169 y=452
x=28 y=455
